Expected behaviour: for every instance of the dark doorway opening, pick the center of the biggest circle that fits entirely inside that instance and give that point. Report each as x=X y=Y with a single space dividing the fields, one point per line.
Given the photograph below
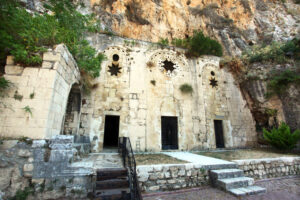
x=169 y=133
x=111 y=131
x=219 y=134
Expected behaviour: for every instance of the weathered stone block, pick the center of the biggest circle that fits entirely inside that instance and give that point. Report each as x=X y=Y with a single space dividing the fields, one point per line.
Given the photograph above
x=7 y=144
x=38 y=143
x=142 y=177
x=13 y=69
x=25 y=153
x=5 y=174
x=171 y=181
x=153 y=177
x=161 y=182
x=61 y=156
x=28 y=167
x=167 y=174
x=154 y=188
x=47 y=65
x=60 y=142
x=51 y=56
x=10 y=60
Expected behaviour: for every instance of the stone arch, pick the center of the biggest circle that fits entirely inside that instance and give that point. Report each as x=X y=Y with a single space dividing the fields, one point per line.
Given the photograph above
x=162 y=58
x=73 y=111
x=116 y=61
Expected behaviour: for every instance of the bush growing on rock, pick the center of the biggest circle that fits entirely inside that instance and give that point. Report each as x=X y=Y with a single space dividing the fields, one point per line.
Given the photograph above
x=186 y=88
x=275 y=52
x=281 y=137
x=279 y=82
x=199 y=44
x=26 y=35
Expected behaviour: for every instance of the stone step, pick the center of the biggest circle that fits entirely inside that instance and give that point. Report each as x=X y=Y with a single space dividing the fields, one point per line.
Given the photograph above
x=112 y=184
x=111 y=173
x=112 y=194
x=226 y=173
x=250 y=190
x=231 y=183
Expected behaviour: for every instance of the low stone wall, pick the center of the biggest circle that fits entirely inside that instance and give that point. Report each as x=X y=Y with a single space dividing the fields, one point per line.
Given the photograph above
x=170 y=177
x=270 y=167
x=45 y=167
x=177 y=176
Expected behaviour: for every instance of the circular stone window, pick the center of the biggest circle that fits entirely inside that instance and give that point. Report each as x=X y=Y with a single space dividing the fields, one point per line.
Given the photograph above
x=115 y=57
x=212 y=73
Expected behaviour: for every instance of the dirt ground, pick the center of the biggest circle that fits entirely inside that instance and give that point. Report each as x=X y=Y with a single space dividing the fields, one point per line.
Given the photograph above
x=154 y=159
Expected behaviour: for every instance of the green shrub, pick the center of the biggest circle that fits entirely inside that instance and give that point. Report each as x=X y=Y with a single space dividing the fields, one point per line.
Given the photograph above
x=4 y=84
x=280 y=82
x=186 y=88
x=163 y=42
x=199 y=45
x=275 y=52
x=282 y=138
x=27 y=109
x=26 y=36
x=23 y=194
x=182 y=43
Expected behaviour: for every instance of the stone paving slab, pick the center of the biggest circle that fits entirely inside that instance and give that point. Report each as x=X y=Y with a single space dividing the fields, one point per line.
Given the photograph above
x=195 y=158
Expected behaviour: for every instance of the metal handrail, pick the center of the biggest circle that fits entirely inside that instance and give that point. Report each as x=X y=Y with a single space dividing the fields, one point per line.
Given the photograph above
x=125 y=149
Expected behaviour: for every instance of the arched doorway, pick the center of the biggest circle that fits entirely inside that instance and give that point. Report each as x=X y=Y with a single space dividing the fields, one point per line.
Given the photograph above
x=72 y=115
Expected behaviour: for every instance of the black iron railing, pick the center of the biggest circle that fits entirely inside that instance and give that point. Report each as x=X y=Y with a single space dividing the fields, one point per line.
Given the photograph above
x=126 y=152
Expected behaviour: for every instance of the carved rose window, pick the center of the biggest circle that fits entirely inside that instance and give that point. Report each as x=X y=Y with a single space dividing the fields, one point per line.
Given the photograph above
x=171 y=68
x=114 y=69
x=213 y=82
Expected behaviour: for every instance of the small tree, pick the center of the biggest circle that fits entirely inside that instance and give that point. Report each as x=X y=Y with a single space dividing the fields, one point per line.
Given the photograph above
x=282 y=138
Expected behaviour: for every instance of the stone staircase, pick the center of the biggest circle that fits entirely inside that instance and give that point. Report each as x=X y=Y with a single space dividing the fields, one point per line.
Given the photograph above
x=234 y=181
x=112 y=184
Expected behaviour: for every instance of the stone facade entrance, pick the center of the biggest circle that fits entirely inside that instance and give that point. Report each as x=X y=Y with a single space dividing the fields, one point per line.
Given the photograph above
x=169 y=133
x=140 y=83
x=219 y=133
x=111 y=131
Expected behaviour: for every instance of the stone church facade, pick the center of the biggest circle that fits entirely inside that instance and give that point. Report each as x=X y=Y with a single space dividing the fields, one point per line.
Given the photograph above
x=138 y=95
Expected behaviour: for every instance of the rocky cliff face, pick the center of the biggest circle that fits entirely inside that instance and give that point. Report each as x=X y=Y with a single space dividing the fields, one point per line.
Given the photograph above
x=236 y=24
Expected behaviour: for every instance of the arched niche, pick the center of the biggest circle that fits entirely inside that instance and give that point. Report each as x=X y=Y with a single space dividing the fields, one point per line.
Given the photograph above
x=72 y=115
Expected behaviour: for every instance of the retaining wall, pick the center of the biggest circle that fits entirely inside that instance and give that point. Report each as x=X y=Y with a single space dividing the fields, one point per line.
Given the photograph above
x=170 y=177
x=270 y=167
x=177 y=176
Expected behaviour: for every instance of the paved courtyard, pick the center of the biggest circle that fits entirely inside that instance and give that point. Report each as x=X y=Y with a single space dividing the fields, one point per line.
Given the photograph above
x=277 y=189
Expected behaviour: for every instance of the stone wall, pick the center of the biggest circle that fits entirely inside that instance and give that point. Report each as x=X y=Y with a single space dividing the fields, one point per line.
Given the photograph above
x=177 y=176
x=142 y=91
x=35 y=104
x=270 y=167
x=170 y=177
x=43 y=166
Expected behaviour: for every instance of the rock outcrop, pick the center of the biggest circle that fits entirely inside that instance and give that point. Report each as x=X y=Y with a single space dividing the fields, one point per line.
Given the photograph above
x=236 y=24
